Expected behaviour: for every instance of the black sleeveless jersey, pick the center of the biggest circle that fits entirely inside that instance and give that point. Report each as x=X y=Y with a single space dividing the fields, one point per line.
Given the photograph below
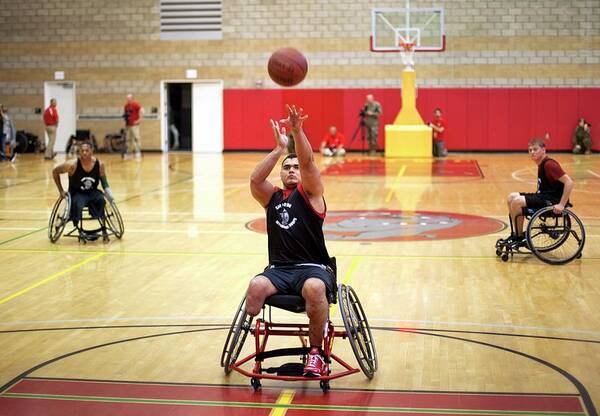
x=295 y=230
x=553 y=189
x=82 y=181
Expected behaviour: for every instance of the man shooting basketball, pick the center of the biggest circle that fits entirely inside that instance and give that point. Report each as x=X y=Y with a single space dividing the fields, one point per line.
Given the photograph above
x=298 y=258
x=554 y=189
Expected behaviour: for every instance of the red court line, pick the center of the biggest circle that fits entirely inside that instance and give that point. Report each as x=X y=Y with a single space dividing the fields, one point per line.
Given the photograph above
x=38 y=407
x=480 y=401
x=80 y=391
x=145 y=391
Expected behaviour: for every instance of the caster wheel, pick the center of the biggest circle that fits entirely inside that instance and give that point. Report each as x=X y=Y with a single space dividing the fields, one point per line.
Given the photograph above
x=255 y=383
x=498 y=252
x=579 y=255
x=324 y=386
x=504 y=257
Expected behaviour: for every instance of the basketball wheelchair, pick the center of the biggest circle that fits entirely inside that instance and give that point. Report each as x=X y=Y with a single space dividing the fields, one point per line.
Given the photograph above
x=552 y=238
x=111 y=224
x=356 y=327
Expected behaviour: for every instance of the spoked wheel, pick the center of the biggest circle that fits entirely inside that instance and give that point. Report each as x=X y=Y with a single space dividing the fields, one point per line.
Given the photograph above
x=113 y=218
x=59 y=217
x=358 y=330
x=555 y=239
x=236 y=337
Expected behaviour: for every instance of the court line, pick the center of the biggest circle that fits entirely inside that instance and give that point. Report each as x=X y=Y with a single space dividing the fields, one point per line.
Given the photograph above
x=285 y=398
x=50 y=278
x=346 y=278
x=22 y=235
x=395 y=184
x=593 y=173
x=262 y=254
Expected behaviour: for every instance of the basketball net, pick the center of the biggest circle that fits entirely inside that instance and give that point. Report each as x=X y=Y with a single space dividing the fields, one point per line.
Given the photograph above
x=407 y=54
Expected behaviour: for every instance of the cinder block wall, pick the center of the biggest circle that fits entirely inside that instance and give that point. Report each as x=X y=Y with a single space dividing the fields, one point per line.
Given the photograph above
x=115 y=49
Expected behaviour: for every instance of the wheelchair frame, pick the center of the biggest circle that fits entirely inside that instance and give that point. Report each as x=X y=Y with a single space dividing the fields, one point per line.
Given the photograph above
x=544 y=222
x=357 y=331
x=60 y=216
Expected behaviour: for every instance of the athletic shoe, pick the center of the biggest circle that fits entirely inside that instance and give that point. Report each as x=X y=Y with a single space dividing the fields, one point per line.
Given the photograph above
x=13 y=157
x=513 y=239
x=314 y=364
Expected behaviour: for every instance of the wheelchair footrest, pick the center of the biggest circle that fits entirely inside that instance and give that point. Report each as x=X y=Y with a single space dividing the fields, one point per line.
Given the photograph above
x=282 y=352
x=287 y=369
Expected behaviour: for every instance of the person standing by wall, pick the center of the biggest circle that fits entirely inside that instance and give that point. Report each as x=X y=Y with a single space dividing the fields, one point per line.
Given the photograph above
x=51 y=123
x=438 y=126
x=372 y=111
x=133 y=115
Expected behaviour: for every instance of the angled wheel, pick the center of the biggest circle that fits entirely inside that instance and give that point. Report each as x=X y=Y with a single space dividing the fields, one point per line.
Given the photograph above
x=358 y=330
x=236 y=337
x=113 y=218
x=555 y=239
x=59 y=217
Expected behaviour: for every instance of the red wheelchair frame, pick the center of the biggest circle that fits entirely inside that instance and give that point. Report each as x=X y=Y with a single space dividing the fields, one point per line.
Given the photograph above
x=357 y=331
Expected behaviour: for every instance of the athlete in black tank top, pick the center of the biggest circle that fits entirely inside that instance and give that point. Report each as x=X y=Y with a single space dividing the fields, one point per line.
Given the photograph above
x=83 y=186
x=298 y=258
x=82 y=181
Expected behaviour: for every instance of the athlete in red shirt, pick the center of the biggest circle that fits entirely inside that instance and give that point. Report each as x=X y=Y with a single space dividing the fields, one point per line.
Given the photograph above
x=333 y=143
x=554 y=189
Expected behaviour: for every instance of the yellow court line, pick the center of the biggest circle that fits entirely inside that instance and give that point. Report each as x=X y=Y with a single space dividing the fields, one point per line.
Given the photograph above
x=390 y=193
x=50 y=278
x=285 y=397
x=347 y=276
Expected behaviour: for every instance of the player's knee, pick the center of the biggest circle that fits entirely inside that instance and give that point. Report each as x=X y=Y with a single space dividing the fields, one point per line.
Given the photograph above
x=313 y=290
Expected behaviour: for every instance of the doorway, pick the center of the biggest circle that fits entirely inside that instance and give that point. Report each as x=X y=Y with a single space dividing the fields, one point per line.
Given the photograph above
x=179 y=116
x=64 y=93
x=192 y=115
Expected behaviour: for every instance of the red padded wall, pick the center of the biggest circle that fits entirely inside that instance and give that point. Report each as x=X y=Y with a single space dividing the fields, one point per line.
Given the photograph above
x=477 y=118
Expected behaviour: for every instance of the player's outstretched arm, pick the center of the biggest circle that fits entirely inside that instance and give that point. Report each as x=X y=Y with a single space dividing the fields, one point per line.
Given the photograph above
x=262 y=190
x=66 y=167
x=309 y=172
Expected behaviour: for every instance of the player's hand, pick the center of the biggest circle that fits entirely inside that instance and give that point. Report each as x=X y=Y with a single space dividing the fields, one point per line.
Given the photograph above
x=109 y=194
x=558 y=208
x=295 y=118
x=280 y=137
x=63 y=194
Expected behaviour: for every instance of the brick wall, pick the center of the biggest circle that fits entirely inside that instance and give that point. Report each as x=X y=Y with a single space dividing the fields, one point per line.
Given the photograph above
x=115 y=49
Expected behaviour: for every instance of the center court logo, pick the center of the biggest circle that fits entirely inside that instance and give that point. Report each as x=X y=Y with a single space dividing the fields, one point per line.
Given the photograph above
x=388 y=225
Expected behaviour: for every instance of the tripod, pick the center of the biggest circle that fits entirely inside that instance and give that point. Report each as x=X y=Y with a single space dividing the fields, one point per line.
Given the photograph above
x=360 y=128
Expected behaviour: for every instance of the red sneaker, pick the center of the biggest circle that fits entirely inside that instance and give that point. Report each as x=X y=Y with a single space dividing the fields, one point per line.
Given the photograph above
x=314 y=364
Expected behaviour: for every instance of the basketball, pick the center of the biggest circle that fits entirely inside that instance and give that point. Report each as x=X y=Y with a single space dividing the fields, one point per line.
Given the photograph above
x=287 y=67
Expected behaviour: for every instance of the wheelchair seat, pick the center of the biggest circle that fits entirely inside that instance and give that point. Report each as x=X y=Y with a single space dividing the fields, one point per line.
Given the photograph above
x=290 y=303
x=111 y=224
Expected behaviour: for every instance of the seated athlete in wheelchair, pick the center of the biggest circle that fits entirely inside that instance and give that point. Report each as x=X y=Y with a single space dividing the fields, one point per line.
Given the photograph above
x=554 y=233
x=300 y=276
x=83 y=198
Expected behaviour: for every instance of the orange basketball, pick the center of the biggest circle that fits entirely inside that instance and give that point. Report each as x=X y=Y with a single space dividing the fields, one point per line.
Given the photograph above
x=287 y=67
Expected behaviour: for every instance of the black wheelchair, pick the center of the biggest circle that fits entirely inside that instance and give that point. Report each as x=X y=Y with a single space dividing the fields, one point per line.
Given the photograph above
x=552 y=238
x=111 y=224
x=357 y=330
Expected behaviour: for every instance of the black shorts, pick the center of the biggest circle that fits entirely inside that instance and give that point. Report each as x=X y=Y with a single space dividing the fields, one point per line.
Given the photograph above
x=538 y=201
x=93 y=200
x=289 y=280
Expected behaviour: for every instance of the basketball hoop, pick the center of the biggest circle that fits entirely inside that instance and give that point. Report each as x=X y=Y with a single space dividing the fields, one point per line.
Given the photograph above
x=406 y=53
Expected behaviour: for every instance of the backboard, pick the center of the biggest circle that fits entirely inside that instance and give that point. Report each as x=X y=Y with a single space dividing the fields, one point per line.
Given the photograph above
x=423 y=27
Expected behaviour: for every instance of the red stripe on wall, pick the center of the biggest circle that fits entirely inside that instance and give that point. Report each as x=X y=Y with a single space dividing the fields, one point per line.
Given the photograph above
x=478 y=118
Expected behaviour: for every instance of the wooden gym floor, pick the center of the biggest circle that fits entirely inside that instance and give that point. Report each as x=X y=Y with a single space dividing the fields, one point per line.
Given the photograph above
x=136 y=326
